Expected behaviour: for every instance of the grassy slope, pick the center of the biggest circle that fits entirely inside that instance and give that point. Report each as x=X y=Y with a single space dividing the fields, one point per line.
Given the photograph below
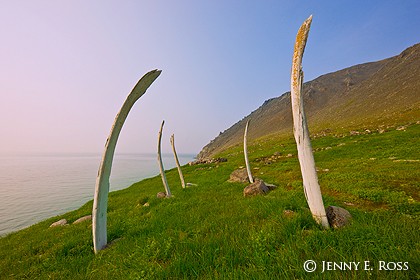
x=212 y=231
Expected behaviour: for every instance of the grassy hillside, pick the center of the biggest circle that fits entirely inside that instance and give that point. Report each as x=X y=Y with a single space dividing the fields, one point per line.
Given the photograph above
x=368 y=95
x=212 y=232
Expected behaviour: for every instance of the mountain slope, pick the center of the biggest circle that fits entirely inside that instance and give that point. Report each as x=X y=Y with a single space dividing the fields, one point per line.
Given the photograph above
x=368 y=95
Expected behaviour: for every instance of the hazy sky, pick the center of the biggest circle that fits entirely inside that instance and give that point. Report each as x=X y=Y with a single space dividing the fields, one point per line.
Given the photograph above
x=67 y=66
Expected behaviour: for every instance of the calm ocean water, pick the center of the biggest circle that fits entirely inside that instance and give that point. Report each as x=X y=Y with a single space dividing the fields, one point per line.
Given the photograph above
x=36 y=187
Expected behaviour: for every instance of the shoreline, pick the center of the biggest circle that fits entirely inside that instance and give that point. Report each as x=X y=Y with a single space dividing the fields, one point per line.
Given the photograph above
x=38 y=187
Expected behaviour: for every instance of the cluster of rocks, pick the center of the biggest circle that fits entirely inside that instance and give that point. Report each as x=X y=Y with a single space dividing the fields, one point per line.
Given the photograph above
x=322 y=133
x=63 y=222
x=273 y=158
x=318 y=169
x=205 y=161
x=321 y=149
x=381 y=129
x=256 y=188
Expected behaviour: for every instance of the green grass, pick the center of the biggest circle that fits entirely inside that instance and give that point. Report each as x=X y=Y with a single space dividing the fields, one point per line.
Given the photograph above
x=212 y=232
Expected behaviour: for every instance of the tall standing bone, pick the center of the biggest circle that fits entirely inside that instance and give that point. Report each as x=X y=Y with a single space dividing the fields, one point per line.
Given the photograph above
x=100 y=201
x=159 y=157
x=181 y=176
x=301 y=132
x=248 y=167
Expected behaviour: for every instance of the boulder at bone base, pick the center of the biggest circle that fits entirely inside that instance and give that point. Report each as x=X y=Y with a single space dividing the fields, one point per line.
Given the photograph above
x=161 y=195
x=338 y=217
x=256 y=188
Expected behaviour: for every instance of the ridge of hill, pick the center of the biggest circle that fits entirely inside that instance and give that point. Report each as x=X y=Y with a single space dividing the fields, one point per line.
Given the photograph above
x=369 y=95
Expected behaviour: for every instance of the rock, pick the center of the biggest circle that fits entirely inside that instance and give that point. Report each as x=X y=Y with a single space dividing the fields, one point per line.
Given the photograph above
x=61 y=222
x=217 y=160
x=205 y=161
x=239 y=175
x=161 y=195
x=258 y=187
x=288 y=213
x=401 y=128
x=322 y=170
x=338 y=217
x=198 y=161
x=112 y=243
x=270 y=186
x=82 y=219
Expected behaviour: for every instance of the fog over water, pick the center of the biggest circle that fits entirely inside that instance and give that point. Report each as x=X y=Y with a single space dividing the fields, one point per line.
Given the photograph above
x=36 y=187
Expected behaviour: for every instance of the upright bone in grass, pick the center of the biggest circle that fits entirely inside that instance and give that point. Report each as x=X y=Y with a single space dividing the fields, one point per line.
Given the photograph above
x=162 y=170
x=181 y=176
x=248 y=168
x=301 y=133
x=100 y=201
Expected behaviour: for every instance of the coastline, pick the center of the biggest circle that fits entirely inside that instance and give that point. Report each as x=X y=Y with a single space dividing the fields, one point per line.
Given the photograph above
x=36 y=187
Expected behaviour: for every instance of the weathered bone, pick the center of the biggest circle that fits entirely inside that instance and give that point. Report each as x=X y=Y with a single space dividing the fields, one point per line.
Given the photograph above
x=100 y=201
x=301 y=132
x=181 y=176
x=248 y=167
x=162 y=170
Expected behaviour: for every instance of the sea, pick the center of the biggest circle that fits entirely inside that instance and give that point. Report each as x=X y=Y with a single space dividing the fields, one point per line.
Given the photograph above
x=39 y=186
